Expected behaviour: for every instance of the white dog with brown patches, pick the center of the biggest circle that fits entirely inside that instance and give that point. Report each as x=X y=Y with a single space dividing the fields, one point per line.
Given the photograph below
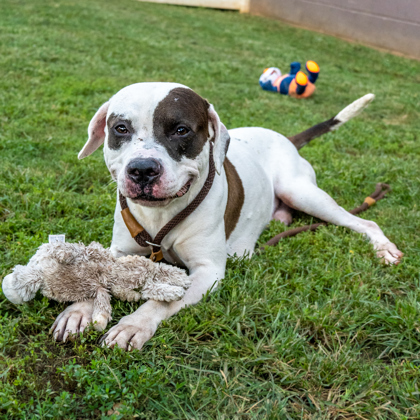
x=157 y=140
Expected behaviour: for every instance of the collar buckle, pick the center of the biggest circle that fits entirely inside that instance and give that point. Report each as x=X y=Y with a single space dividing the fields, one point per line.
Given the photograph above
x=156 y=256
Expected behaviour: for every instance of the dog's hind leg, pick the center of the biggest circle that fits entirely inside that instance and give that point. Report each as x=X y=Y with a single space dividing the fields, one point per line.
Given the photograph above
x=301 y=193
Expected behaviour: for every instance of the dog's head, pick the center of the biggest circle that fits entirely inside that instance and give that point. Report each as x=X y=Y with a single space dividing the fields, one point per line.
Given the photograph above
x=156 y=140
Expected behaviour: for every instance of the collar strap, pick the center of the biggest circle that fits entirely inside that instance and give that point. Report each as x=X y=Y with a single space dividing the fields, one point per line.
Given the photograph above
x=139 y=233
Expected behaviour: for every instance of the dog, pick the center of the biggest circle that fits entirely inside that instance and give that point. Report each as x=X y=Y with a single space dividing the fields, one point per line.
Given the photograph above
x=158 y=139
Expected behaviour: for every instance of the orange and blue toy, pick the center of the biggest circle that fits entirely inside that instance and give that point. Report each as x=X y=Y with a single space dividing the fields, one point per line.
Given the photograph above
x=295 y=84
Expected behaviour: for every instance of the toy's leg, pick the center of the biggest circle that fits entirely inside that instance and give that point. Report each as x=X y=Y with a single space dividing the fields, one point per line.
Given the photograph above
x=301 y=82
x=163 y=292
x=294 y=68
x=101 y=309
x=285 y=85
x=123 y=293
x=268 y=86
x=313 y=70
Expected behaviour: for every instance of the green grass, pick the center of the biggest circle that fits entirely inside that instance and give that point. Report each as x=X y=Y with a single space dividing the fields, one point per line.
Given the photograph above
x=315 y=328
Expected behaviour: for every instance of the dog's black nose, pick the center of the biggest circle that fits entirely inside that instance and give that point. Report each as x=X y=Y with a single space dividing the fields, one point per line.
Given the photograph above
x=144 y=171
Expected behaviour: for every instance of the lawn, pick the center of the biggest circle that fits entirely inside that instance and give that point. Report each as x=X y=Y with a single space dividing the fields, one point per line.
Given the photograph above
x=316 y=327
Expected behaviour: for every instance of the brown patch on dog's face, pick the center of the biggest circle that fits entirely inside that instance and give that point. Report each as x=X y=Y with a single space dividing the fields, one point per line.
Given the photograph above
x=236 y=197
x=180 y=123
x=120 y=131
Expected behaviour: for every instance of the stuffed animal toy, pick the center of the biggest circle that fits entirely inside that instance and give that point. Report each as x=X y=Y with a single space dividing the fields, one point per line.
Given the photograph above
x=296 y=84
x=70 y=272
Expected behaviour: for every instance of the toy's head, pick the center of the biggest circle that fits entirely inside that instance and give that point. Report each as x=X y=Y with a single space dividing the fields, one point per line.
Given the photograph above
x=270 y=74
x=21 y=285
x=10 y=291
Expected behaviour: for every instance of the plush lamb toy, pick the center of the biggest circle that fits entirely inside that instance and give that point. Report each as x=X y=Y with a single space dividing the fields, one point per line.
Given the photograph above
x=70 y=272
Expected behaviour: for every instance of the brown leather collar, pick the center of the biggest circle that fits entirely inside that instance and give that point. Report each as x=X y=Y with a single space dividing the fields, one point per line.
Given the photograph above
x=143 y=238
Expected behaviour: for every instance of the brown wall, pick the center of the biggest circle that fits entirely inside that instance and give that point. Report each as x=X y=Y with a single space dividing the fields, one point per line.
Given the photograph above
x=389 y=24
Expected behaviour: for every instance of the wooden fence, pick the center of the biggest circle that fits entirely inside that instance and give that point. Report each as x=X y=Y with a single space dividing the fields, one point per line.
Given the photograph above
x=241 y=5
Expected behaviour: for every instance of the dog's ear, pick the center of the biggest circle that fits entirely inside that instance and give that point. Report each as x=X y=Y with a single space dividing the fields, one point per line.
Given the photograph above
x=96 y=132
x=220 y=136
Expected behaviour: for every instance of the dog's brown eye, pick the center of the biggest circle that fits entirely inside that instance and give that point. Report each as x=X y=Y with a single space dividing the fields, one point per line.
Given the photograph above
x=122 y=129
x=181 y=131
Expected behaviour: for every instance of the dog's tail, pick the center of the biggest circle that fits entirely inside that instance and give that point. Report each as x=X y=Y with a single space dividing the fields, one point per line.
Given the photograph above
x=350 y=111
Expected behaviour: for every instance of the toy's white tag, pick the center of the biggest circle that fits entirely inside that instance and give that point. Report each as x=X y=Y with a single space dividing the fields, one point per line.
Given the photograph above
x=56 y=238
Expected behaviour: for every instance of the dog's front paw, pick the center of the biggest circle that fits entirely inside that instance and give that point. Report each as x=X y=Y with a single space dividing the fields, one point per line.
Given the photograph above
x=128 y=336
x=389 y=253
x=72 y=321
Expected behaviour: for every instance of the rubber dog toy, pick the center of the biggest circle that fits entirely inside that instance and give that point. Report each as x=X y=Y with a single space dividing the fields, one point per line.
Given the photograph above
x=71 y=272
x=295 y=84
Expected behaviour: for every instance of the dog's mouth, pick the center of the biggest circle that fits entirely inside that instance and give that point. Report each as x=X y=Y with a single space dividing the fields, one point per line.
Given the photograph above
x=151 y=199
